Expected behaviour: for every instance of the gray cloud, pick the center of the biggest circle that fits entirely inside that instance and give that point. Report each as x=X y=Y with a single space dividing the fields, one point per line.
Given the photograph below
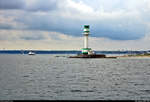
x=12 y=4
x=35 y=37
x=38 y=5
x=32 y=36
x=113 y=29
x=67 y=19
x=5 y=26
x=42 y=5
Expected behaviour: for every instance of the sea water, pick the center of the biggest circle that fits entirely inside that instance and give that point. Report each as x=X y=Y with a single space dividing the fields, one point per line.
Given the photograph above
x=56 y=77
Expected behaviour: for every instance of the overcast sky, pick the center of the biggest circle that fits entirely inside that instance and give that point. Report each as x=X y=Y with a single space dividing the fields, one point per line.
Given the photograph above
x=58 y=24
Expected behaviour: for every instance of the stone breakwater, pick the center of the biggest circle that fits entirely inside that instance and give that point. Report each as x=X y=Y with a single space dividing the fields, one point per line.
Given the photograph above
x=91 y=56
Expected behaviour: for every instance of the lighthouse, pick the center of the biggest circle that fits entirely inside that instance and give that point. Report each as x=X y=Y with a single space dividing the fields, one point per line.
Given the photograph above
x=86 y=50
x=86 y=34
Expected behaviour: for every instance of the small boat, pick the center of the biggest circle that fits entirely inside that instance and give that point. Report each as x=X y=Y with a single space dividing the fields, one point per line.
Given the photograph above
x=31 y=53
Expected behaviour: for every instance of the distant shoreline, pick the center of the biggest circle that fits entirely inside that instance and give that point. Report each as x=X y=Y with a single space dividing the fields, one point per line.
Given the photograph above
x=69 y=52
x=38 y=52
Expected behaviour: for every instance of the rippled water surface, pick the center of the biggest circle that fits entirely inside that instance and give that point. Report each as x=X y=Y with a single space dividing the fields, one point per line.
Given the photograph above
x=47 y=77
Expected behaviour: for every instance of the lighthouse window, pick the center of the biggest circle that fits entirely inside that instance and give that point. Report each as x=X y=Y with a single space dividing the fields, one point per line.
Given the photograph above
x=86 y=26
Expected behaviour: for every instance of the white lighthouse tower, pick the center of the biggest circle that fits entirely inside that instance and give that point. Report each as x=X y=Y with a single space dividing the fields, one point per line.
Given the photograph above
x=86 y=51
x=86 y=33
